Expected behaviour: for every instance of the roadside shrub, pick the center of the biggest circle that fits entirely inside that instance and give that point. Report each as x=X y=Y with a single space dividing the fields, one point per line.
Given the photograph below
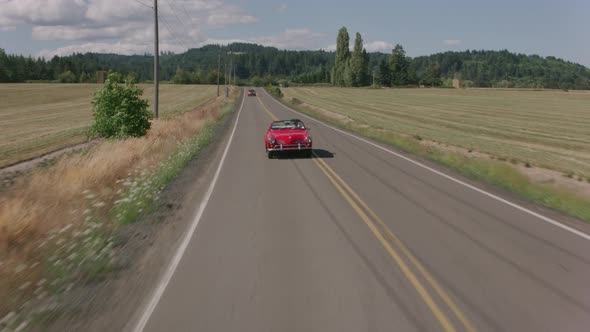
x=275 y=91
x=283 y=83
x=67 y=77
x=119 y=111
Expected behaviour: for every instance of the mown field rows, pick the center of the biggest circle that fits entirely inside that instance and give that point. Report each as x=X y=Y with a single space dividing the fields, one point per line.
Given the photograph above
x=546 y=128
x=39 y=118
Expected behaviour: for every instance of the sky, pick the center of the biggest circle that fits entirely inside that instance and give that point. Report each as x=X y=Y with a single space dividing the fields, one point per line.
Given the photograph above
x=48 y=27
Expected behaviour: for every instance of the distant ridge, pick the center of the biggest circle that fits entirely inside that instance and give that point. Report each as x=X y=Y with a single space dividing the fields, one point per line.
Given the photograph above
x=256 y=62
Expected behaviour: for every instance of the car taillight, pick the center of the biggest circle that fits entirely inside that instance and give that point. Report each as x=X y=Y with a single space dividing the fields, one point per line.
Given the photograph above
x=272 y=140
x=308 y=139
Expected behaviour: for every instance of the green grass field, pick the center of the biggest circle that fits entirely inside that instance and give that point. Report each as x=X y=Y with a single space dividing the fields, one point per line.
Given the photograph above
x=549 y=129
x=39 y=118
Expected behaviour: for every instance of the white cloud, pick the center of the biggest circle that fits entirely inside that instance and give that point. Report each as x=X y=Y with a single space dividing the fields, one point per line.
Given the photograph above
x=289 y=39
x=452 y=42
x=215 y=41
x=8 y=28
x=374 y=46
x=379 y=46
x=331 y=47
x=92 y=25
x=117 y=47
x=42 y=12
x=292 y=39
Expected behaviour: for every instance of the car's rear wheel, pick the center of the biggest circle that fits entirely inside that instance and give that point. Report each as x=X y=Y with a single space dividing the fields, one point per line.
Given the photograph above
x=308 y=153
x=270 y=154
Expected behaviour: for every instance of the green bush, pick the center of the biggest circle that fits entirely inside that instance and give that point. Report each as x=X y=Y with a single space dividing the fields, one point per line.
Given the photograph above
x=119 y=111
x=67 y=77
x=275 y=91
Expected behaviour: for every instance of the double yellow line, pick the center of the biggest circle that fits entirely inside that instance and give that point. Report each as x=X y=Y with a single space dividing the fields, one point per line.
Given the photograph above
x=383 y=233
x=272 y=116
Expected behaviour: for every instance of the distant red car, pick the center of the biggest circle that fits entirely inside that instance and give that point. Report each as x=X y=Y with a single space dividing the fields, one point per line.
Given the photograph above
x=251 y=93
x=287 y=135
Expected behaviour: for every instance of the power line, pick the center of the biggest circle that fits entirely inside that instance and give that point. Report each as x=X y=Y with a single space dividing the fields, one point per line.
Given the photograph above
x=186 y=12
x=139 y=2
x=171 y=31
x=184 y=25
x=188 y=16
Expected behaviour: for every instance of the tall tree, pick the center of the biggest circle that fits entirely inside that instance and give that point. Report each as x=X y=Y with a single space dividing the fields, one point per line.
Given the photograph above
x=432 y=76
x=3 y=66
x=358 y=68
x=383 y=76
x=398 y=65
x=342 y=57
x=366 y=73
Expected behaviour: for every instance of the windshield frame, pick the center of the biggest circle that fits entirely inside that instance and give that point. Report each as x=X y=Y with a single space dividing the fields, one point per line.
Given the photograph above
x=287 y=124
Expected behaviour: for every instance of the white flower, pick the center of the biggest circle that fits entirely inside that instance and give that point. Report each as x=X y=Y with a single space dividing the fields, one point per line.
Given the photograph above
x=20 y=268
x=65 y=228
x=99 y=204
x=25 y=285
x=6 y=319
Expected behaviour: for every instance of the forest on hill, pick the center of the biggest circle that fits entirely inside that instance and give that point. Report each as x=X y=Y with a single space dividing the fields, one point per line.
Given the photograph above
x=256 y=64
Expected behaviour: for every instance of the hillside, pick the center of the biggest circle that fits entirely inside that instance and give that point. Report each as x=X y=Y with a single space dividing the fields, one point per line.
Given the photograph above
x=253 y=62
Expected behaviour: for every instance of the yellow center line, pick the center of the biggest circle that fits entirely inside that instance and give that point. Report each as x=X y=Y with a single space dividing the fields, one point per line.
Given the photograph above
x=272 y=116
x=339 y=183
x=429 y=278
x=443 y=320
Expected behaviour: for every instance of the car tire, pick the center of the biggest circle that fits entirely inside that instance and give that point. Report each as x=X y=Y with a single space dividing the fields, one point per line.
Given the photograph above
x=269 y=154
x=308 y=153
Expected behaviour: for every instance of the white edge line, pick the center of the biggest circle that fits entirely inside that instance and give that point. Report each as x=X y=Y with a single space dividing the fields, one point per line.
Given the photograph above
x=165 y=280
x=481 y=191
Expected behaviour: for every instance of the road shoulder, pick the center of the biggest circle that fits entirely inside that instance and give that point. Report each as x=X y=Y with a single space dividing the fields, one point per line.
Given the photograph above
x=145 y=248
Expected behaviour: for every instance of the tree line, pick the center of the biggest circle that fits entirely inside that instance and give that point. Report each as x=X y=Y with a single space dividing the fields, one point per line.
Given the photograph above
x=256 y=64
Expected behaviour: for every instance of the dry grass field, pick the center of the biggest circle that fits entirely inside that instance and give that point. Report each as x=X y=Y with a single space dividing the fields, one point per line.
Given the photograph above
x=39 y=118
x=550 y=129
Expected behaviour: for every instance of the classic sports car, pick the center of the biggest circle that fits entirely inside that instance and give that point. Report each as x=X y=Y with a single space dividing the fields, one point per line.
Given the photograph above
x=287 y=135
x=251 y=93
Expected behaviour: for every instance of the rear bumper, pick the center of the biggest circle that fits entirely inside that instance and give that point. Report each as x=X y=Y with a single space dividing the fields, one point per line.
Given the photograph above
x=289 y=147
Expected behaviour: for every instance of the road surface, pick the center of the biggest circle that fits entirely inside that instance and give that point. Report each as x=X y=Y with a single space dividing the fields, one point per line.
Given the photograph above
x=360 y=239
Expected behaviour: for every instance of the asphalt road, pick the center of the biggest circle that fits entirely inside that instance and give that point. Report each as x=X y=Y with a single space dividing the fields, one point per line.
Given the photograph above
x=359 y=239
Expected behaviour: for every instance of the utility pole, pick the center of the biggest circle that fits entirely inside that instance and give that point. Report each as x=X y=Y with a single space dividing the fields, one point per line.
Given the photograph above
x=230 y=67
x=218 y=69
x=235 y=73
x=156 y=59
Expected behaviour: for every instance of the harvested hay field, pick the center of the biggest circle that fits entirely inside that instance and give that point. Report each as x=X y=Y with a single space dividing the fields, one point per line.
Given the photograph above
x=39 y=118
x=546 y=128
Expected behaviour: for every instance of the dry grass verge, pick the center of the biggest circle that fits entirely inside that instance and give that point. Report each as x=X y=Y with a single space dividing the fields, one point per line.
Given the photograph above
x=56 y=225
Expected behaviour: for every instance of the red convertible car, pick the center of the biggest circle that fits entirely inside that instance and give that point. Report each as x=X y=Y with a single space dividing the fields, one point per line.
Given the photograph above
x=287 y=135
x=251 y=93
